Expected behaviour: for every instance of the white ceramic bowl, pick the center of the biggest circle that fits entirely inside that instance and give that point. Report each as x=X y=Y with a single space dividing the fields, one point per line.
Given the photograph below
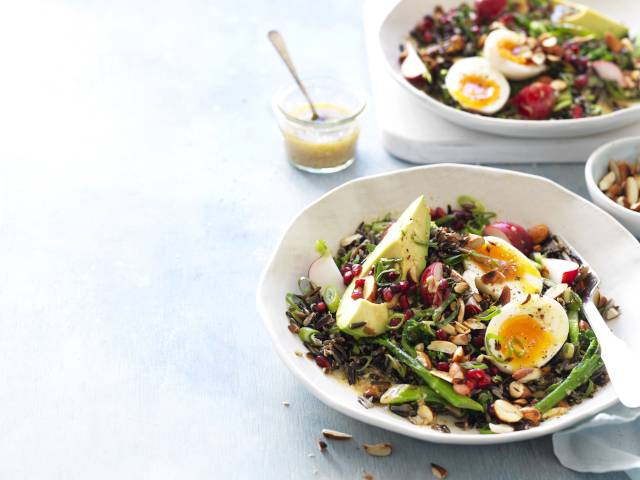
x=522 y=198
x=597 y=166
x=403 y=17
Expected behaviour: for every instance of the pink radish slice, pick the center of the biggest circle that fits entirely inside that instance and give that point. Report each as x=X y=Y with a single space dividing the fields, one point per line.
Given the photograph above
x=512 y=233
x=412 y=68
x=559 y=270
x=609 y=71
x=324 y=272
x=433 y=286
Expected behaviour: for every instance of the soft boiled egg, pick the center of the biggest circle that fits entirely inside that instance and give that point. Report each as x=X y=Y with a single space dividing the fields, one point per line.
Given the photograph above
x=476 y=86
x=526 y=334
x=508 y=52
x=497 y=264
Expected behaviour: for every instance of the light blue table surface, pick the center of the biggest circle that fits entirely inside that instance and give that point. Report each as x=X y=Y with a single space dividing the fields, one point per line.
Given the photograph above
x=142 y=189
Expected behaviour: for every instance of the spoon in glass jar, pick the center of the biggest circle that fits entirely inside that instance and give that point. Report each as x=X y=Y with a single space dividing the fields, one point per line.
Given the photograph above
x=278 y=42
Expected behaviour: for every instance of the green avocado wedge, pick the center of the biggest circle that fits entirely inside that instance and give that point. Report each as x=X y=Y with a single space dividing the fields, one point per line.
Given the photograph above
x=595 y=22
x=407 y=239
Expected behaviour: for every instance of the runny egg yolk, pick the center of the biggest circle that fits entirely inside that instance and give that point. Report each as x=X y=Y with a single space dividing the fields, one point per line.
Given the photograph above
x=507 y=262
x=513 y=52
x=523 y=341
x=476 y=91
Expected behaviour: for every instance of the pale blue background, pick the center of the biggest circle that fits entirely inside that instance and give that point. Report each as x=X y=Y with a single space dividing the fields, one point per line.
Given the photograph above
x=142 y=189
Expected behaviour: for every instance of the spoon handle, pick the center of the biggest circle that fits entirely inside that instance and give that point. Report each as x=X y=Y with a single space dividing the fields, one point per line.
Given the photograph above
x=617 y=357
x=281 y=48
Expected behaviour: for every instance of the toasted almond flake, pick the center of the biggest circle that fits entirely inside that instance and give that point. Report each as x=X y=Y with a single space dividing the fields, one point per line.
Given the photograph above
x=613 y=167
x=525 y=375
x=492 y=277
x=455 y=371
x=378 y=449
x=461 y=339
x=611 y=313
x=531 y=414
x=558 y=85
x=424 y=359
x=443 y=375
x=442 y=346
x=556 y=290
x=474 y=242
x=538 y=58
x=553 y=58
x=517 y=389
x=631 y=190
x=426 y=414
x=335 y=435
x=438 y=471
x=460 y=327
x=449 y=329
x=555 y=412
x=297 y=353
x=461 y=287
x=346 y=241
x=458 y=355
x=500 y=428
x=462 y=389
x=550 y=42
x=507 y=412
x=475 y=324
x=367 y=476
x=419 y=347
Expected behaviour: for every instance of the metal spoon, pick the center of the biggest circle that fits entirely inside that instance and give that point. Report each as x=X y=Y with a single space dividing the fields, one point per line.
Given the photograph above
x=281 y=48
x=615 y=352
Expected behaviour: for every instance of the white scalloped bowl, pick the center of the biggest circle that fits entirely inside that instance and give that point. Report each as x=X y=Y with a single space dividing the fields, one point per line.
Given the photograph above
x=403 y=17
x=522 y=198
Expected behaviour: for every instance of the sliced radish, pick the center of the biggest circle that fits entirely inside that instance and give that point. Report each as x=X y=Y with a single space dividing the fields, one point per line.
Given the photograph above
x=512 y=233
x=324 y=272
x=559 y=270
x=413 y=68
x=433 y=286
x=609 y=71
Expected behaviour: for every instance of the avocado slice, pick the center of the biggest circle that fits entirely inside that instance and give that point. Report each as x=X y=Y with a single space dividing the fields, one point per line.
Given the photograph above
x=406 y=239
x=582 y=16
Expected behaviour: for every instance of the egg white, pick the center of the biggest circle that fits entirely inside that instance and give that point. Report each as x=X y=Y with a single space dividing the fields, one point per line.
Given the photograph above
x=512 y=70
x=530 y=282
x=466 y=68
x=547 y=313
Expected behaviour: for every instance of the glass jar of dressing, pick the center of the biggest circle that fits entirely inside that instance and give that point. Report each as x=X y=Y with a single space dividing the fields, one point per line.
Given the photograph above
x=329 y=143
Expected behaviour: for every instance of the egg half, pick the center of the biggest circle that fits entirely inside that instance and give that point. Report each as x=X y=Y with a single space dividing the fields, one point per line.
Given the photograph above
x=476 y=86
x=526 y=334
x=516 y=270
x=508 y=52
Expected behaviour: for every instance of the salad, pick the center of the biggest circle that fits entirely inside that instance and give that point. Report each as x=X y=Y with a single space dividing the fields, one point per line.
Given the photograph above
x=524 y=59
x=449 y=312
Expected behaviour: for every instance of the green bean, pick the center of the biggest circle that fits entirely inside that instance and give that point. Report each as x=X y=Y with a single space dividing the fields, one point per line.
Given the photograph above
x=405 y=393
x=574 y=329
x=440 y=310
x=581 y=373
x=441 y=387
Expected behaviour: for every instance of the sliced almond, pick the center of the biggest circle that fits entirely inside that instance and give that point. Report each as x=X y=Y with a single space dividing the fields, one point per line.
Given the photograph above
x=525 y=375
x=346 y=241
x=492 y=277
x=438 y=471
x=556 y=290
x=555 y=412
x=442 y=346
x=558 y=85
x=424 y=359
x=462 y=389
x=553 y=58
x=335 y=435
x=612 y=42
x=455 y=371
x=517 y=389
x=378 y=449
x=413 y=274
x=538 y=58
x=611 y=313
x=550 y=42
x=505 y=295
x=449 y=329
x=613 y=167
x=458 y=355
x=470 y=277
x=426 y=414
x=507 y=412
x=475 y=324
x=474 y=242
x=460 y=327
x=460 y=339
x=500 y=428
x=539 y=233
x=461 y=287
x=443 y=375
x=531 y=414
x=631 y=190
x=370 y=288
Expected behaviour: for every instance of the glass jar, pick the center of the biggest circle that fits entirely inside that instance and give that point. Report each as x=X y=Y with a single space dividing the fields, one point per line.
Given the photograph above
x=325 y=145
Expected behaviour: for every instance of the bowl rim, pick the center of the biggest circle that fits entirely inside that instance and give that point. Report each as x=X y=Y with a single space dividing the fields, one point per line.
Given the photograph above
x=490 y=120
x=593 y=159
x=394 y=425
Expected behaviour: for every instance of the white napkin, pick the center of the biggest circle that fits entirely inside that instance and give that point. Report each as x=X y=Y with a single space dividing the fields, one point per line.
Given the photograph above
x=608 y=442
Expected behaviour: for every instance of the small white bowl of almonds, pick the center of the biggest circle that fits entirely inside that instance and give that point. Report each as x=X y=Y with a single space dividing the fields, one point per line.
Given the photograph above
x=612 y=174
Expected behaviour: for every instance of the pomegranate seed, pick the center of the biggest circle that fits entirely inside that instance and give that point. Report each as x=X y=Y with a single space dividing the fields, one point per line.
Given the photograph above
x=472 y=384
x=485 y=382
x=438 y=213
x=387 y=294
x=356 y=269
x=441 y=334
x=345 y=268
x=395 y=288
x=443 y=366
x=507 y=18
x=321 y=307
x=478 y=341
x=403 y=301
x=347 y=277
x=360 y=282
x=394 y=322
x=581 y=81
x=404 y=286
x=427 y=22
x=577 y=111
x=356 y=294
x=392 y=275
x=427 y=37
x=493 y=370
x=475 y=374
x=323 y=362
x=408 y=314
